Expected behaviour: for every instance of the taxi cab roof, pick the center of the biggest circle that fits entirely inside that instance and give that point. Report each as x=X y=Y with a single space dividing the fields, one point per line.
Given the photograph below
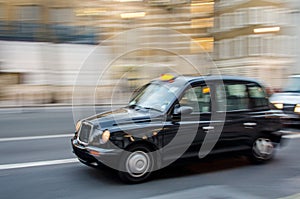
x=192 y=79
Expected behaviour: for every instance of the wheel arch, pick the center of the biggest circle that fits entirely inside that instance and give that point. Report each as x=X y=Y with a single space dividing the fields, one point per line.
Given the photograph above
x=273 y=136
x=152 y=147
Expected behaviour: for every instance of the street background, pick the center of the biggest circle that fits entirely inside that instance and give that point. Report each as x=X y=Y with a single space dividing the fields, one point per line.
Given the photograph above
x=53 y=52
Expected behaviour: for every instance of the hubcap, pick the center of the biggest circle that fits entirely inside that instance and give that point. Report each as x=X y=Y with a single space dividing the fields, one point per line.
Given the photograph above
x=263 y=148
x=137 y=163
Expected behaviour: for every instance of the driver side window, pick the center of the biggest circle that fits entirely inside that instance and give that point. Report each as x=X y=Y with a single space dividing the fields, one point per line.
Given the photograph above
x=198 y=98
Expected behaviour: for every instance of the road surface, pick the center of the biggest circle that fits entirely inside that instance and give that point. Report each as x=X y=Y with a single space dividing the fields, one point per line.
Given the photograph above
x=37 y=162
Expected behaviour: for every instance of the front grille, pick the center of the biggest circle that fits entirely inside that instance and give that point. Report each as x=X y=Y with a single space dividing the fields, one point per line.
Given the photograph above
x=288 y=108
x=84 y=133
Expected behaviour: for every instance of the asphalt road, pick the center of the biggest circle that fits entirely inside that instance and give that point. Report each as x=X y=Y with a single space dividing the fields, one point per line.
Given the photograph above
x=44 y=167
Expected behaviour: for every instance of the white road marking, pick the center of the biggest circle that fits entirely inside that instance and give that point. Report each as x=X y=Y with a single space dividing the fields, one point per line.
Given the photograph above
x=36 y=164
x=35 y=137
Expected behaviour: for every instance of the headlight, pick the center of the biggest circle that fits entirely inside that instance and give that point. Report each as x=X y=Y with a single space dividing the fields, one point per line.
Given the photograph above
x=105 y=136
x=297 y=108
x=78 y=124
x=99 y=137
x=278 y=105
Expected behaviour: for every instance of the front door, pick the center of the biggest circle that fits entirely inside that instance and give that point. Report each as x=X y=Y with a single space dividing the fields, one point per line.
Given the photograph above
x=190 y=129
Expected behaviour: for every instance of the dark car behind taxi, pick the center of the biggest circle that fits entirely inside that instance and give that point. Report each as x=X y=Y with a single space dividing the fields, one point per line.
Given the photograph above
x=288 y=100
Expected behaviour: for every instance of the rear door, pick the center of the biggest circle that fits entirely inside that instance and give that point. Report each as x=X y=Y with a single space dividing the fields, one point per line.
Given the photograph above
x=240 y=122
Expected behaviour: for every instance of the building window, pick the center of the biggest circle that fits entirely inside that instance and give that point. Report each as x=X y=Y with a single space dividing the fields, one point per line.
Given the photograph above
x=28 y=25
x=269 y=16
x=229 y=48
x=295 y=18
x=216 y=50
x=29 y=13
x=294 y=40
x=254 y=45
x=284 y=17
x=226 y=49
x=240 y=18
x=268 y=41
x=61 y=15
x=221 y=49
x=283 y=47
x=239 y=47
x=224 y=21
x=216 y=23
x=255 y=15
x=3 y=24
x=2 y=11
x=230 y=21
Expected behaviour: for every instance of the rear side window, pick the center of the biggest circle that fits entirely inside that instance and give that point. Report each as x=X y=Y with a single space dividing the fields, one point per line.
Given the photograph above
x=237 y=97
x=258 y=96
x=241 y=96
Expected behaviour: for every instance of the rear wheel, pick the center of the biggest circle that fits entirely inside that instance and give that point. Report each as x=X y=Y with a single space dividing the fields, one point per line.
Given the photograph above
x=263 y=150
x=136 y=165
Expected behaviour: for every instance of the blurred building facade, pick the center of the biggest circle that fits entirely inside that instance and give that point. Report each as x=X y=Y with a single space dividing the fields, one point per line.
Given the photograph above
x=92 y=21
x=295 y=16
x=254 y=38
x=43 y=43
x=43 y=21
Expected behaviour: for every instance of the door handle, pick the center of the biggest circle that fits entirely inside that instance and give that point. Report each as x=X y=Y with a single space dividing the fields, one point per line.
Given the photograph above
x=207 y=128
x=250 y=124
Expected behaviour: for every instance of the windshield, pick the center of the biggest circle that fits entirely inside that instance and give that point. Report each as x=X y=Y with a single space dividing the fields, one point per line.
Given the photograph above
x=293 y=85
x=155 y=97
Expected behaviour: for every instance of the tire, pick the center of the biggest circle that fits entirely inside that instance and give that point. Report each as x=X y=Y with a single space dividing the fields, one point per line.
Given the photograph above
x=136 y=165
x=262 y=151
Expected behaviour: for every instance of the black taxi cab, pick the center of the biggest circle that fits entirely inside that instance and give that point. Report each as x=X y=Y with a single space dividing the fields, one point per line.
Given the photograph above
x=176 y=117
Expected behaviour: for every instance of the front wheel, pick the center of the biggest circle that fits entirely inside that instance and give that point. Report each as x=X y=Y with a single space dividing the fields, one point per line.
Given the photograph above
x=263 y=150
x=136 y=165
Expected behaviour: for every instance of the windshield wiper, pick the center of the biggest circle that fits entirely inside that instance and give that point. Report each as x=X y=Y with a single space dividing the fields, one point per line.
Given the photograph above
x=138 y=107
x=133 y=106
x=151 y=108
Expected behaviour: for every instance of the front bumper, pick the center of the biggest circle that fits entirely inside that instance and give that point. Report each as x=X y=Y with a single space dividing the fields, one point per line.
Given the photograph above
x=95 y=156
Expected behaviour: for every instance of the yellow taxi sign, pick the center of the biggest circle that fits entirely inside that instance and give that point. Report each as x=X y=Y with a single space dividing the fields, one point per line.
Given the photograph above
x=206 y=90
x=167 y=77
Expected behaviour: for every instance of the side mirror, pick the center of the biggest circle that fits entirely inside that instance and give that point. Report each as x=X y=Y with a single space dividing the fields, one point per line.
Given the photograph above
x=183 y=110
